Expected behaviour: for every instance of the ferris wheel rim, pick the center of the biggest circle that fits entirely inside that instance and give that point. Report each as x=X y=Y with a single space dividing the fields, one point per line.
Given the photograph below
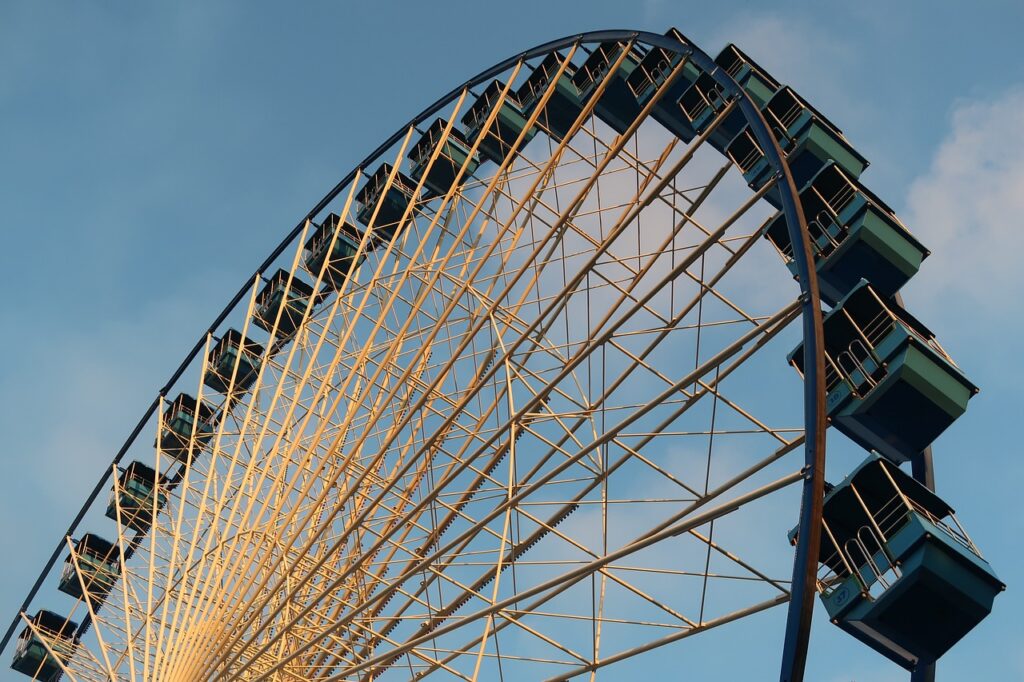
x=806 y=275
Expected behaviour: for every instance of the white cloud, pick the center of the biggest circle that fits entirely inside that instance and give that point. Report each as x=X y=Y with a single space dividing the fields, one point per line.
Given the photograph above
x=966 y=208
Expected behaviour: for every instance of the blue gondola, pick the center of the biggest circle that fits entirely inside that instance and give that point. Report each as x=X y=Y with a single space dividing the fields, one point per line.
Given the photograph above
x=453 y=160
x=99 y=564
x=898 y=572
x=180 y=424
x=854 y=236
x=509 y=123
x=890 y=386
x=281 y=297
x=564 y=105
x=344 y=251
x=31 y=656
x=617 y=106
x=230 y=352
x=137 y=485
x=808 y=141
x=652 y=72
x=702 y=101
x=384 y=202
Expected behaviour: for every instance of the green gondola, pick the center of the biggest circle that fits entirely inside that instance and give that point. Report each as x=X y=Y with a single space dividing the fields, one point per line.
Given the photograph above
x=898 y=572
x=507 y=127
x=652 y=72
x=563 y=107
x=99 y=564
x=453 y=159
x=617 y=106
x=384 y=203
x=854 y=236
x=807 y=139
x=702 y=101
x=31 y=656
x=890 y=386
x=134 y=493
x=344 y=250
x=284 y=298
x=180 y=426
x=232 y=350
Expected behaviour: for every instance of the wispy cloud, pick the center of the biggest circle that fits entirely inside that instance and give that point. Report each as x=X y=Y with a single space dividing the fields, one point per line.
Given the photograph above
x=966 y=208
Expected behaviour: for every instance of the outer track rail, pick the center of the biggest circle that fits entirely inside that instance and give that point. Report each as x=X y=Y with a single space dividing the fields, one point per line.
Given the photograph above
x=805 y=563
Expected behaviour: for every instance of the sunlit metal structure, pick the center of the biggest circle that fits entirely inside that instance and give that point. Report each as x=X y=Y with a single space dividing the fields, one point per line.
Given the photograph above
x=511 y=401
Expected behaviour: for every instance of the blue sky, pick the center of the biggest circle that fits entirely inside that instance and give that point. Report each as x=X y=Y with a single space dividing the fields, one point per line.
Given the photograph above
x=152 y=154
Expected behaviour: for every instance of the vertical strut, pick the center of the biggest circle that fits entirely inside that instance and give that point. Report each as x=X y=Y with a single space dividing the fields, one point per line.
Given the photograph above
x=922 y=468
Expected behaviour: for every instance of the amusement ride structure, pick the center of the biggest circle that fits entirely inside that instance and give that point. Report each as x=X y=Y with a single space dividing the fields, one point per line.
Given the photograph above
x=512 y=402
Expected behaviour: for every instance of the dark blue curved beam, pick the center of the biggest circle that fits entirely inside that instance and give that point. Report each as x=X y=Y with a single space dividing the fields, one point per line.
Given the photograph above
x=802 y=589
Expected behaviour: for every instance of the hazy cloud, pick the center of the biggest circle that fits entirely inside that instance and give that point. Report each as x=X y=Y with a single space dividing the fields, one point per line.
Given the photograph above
x=967 y=207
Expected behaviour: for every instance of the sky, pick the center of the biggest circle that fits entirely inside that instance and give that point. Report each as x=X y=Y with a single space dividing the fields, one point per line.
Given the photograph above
x=152 y=154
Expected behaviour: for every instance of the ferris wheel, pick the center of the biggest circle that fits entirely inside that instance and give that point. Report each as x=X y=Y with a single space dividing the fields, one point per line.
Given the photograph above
x=537 y=392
